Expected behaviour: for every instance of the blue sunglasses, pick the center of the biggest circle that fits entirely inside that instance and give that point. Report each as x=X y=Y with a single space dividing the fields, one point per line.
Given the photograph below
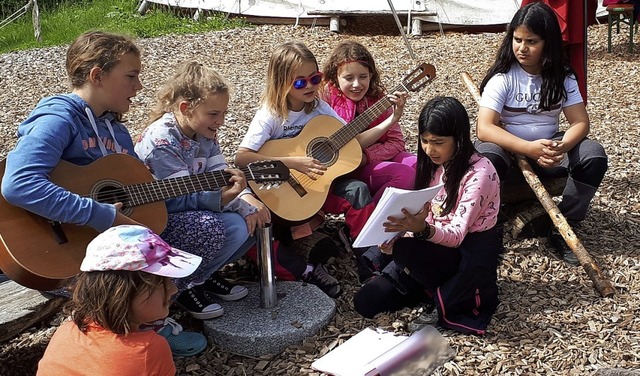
x=301 y=83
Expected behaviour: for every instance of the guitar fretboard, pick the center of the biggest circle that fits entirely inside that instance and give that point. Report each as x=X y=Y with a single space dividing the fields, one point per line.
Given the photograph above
x=159 y=190
x=361 y=122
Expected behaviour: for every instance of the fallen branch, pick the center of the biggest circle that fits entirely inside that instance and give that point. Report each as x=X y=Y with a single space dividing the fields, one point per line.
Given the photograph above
x=601 y=283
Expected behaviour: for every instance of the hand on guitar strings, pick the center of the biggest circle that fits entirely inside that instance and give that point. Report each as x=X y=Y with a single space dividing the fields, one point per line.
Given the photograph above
x=237 y=183
x=308 y=166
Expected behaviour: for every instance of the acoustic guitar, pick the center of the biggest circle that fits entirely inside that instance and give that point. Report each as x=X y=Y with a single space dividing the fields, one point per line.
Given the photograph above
x=334 y=145
x=42 y=254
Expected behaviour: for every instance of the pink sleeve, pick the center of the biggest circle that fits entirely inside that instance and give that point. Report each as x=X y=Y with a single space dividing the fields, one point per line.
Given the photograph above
x=389 y=148
x=476 y=209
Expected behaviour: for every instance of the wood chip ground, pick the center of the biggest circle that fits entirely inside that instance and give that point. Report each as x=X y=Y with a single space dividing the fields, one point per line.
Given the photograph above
x=551 y=319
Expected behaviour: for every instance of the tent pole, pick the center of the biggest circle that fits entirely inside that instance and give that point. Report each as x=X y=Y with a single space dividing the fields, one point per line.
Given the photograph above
x=404 y=35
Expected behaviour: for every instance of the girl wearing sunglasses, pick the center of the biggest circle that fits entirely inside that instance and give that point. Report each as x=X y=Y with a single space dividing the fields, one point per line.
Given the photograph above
x=289 y=102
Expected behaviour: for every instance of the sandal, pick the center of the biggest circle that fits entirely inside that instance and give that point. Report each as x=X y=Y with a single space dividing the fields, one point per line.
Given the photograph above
x=182 y=343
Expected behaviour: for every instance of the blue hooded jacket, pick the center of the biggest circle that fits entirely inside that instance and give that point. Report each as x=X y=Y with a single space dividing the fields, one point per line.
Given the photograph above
x=59 y=128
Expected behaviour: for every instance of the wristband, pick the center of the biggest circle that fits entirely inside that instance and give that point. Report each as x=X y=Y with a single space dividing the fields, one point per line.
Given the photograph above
x=425 y=234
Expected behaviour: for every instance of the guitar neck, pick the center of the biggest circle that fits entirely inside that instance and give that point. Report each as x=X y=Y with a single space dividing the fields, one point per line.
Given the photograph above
x=159 y=190
x=361 y=122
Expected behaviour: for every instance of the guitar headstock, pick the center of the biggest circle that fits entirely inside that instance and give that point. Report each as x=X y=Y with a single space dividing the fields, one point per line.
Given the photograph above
x=269 y=172
x=419 y=77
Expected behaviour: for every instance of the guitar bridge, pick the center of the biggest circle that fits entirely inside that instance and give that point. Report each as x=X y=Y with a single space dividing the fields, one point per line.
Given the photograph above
x=295 y=184
x=58 y=232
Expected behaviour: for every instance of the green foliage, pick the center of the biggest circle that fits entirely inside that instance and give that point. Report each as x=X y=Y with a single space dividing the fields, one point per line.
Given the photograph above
x=63 y=21
x=9 y=7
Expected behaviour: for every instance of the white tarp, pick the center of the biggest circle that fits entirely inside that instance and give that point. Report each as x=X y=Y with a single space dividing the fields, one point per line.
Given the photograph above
x=472 y=12
x=455 y=12
x=257 y=8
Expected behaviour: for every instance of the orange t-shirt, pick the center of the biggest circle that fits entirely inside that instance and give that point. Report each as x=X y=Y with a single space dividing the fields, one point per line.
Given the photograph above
x=101 y=352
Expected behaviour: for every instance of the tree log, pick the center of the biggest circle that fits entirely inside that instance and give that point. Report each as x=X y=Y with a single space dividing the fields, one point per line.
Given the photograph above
x=601 y=283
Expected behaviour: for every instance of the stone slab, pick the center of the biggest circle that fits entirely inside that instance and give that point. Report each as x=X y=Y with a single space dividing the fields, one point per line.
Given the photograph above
x=246 y=329
x=21 y=308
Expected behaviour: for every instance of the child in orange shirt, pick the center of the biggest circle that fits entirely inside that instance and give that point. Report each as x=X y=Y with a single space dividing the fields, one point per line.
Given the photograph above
x=125 y=281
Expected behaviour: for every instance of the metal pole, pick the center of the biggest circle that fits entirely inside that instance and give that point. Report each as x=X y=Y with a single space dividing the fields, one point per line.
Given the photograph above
x=404 y=35
x=268 y=297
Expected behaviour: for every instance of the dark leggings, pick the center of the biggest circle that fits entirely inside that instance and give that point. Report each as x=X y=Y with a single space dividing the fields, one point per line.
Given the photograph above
x=428 y=265
x=584 y=165
x=379 y=294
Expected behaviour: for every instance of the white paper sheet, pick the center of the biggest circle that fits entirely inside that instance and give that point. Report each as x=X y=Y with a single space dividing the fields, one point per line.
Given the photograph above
x=380 y=353
x=391 y=204
x=351 y=357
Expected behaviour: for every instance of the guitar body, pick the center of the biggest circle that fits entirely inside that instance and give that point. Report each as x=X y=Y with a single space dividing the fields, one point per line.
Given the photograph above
x=40 y=260
x=301 y=197
x=334 y=145
x=43 y=255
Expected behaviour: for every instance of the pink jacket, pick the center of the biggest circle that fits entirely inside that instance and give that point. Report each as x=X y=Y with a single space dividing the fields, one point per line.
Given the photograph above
x=388 y=145
x=476 y=209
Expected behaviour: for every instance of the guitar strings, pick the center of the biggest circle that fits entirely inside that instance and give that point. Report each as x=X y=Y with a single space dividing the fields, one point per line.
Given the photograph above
x=146 y=192
x=346 y=134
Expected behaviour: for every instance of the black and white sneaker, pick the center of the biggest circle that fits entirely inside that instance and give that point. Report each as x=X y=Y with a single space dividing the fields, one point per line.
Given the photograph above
x=428 y=316
x=223 y=289
x=196 y=301
x=325 y=281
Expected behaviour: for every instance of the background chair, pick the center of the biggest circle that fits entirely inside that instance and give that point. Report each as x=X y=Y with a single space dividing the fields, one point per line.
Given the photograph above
x=621 y=13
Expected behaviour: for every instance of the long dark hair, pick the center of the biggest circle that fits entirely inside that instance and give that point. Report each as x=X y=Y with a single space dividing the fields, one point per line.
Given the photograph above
x=541 y=20
x=445 y=117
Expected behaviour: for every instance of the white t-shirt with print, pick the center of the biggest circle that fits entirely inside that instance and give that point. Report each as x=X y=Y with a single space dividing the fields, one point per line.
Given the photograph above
x=265 y=126
x=516 y=96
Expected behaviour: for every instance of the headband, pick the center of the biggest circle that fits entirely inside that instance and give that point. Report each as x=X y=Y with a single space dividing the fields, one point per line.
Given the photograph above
x=352 y=61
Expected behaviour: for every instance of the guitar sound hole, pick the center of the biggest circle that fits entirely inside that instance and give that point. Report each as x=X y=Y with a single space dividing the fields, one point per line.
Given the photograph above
x=322 y=149
x=110 y=194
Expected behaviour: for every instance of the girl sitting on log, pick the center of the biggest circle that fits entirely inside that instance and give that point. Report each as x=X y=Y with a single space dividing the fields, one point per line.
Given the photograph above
x=523 y=93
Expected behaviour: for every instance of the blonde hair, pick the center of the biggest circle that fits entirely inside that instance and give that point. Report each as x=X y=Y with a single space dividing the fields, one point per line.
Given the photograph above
x=285 y=61
x=192 y=82
x=106 y=298
x=96 y=49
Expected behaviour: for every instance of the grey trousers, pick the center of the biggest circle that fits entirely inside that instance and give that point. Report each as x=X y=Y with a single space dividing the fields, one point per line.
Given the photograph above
x=584 y=166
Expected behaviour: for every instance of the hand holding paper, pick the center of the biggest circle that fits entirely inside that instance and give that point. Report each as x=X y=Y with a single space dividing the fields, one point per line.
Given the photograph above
x=408 y=220
x=391 y=203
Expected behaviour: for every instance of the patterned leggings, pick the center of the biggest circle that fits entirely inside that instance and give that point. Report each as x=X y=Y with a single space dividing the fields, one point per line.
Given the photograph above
x=198 y=232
